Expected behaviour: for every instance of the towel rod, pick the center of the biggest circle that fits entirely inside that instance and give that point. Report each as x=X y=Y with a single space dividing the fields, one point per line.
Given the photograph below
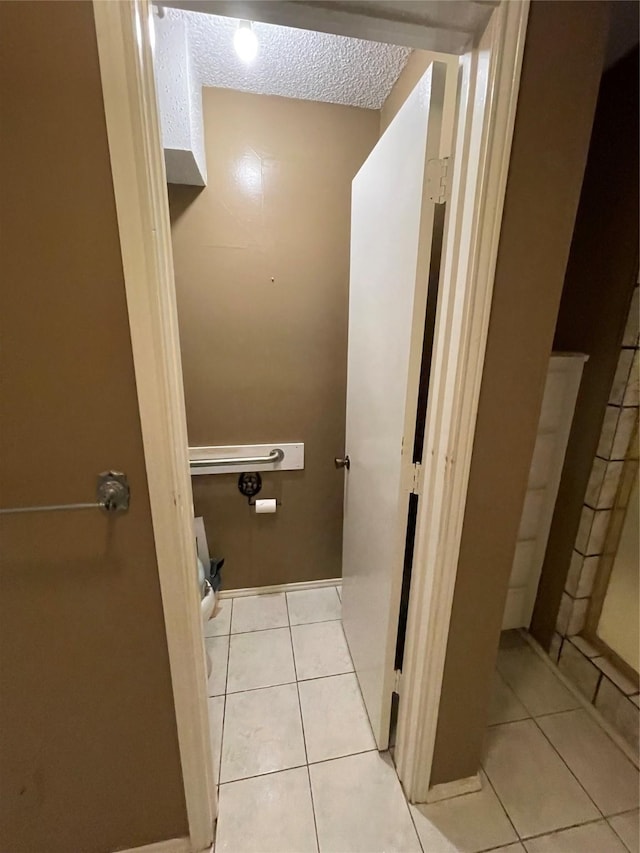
x=112 y=495
x=276 y=455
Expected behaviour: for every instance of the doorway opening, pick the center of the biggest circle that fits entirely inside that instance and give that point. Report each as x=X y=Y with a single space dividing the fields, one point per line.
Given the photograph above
x=489 y=46
x=307 y=309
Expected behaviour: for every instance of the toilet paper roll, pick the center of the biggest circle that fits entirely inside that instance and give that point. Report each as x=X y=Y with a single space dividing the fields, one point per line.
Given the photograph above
x=268 y=505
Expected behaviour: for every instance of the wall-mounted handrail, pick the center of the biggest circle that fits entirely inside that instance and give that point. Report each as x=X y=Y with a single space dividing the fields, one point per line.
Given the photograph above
x=276 y=455
x=50 y=508
x=112 y=495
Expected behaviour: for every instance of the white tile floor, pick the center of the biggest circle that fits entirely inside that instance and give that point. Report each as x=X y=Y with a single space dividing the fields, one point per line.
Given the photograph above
x=299 y=771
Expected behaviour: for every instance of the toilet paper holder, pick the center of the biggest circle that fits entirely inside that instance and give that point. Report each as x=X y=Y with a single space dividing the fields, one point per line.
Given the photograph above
x=252 y=502
x=250 y=485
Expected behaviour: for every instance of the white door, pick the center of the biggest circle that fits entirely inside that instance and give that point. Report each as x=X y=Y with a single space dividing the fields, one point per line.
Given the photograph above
x=392 y=222
x=556 y=417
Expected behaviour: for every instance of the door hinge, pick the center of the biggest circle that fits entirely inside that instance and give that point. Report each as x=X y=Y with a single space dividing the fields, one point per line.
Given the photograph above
x=438 y=180
x=397 y=679
x=416 y=478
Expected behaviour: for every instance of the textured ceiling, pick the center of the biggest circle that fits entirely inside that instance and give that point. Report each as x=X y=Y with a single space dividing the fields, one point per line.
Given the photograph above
x=294 y=63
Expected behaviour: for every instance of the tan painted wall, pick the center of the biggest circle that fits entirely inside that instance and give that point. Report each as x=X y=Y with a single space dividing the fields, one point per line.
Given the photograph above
x=262 y=270
x=560 y=78
x=88 y=748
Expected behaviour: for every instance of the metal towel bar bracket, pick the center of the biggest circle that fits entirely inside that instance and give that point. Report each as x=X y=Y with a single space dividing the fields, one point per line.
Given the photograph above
x=112 y=495
x=276 y=455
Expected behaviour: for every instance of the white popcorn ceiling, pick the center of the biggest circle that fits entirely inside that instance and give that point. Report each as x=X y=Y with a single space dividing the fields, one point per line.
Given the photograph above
x=294 y=63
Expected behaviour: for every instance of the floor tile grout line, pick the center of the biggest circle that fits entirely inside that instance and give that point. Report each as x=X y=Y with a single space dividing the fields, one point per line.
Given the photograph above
x=583 y=703
x=508 y=722
x=270 y=628
x=499 y=847
x=626 y=811
x=415 y=828
x=263 y=775
x=304 y=736
x=298 y=766
x=617 y=834
x=295 y=672
x=339 y=757
x=544 y=716
x=504 y=808
x=547 y=832
x=282 y=684
x=313 y=809
x=555 y=713
x=600 y=812
x=224 y=704
x=580 y=785
x=528 y=710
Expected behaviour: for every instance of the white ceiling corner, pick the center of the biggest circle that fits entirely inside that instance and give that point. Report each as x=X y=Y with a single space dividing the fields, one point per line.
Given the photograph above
x=294 y=63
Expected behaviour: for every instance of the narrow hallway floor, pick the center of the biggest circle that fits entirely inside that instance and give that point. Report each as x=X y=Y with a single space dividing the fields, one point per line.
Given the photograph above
x=299 y=771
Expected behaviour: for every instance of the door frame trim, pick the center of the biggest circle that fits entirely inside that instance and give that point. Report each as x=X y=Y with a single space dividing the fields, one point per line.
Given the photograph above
x=139 y=183
x=489 y=90
x=489 y=93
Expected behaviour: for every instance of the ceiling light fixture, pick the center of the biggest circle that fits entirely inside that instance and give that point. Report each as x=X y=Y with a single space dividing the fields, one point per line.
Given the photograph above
x=245 y=41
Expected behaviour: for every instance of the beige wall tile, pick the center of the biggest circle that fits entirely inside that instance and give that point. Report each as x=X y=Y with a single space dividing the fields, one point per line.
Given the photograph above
x=564 y=612
x=554 y=648
x=584 y=530
x=578 y=616
x=631 y=393
x=585 y=647
x=587 y=577
x=619 y=385
x=618 y=710
x=623 y=683
x=573 y=575
x=598 y=532
x=609 y=489
x=624 y=428
x=609 y=425
x=579 y=670
x=598 y=470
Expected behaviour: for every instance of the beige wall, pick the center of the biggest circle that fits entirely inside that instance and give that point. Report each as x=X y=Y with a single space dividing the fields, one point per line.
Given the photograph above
x=262 y=270
x=88 y=748
x=560 y=78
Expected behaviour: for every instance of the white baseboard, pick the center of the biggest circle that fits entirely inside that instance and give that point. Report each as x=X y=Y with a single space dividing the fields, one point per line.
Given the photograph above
x=281 y=587
x=447 y=790
x=171 y=845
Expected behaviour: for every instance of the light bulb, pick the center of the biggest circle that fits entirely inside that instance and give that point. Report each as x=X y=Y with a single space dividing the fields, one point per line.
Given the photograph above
x=245 y=41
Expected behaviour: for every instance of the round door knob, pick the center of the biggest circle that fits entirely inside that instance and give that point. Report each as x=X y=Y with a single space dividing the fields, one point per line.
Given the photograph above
x=342 y=463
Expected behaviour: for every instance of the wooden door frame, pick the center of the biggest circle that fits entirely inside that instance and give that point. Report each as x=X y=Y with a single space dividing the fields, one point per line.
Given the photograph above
x=490 y=80
x=489 y=84
x=139 y=183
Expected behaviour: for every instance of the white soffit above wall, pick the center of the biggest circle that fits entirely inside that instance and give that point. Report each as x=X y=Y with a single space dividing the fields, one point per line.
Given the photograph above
x=294 y=63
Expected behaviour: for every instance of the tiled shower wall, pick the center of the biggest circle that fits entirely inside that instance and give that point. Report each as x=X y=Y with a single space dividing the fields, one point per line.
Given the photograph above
x=613 y=694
